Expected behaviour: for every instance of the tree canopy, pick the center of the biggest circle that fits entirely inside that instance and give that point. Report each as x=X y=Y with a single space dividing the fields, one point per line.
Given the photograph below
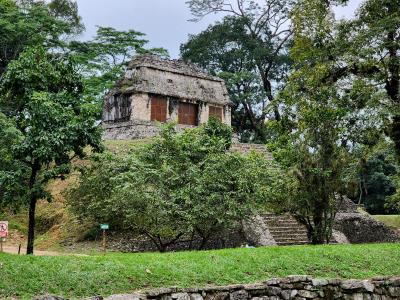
x=42 y=92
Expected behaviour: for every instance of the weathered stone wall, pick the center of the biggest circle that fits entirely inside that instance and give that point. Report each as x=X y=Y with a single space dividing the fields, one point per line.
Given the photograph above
x=130 y=130
x=361 y=228
x=292 y=287
x=141 y=107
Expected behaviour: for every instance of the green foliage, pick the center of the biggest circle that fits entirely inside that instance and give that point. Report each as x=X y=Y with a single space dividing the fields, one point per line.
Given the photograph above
x=78 y=277
x=311 y=135
x=41 y=93
x=248 y=49
x=104 y=59
x=178 y=185
x=12 y=173
x=376 y=184
x=29 y=23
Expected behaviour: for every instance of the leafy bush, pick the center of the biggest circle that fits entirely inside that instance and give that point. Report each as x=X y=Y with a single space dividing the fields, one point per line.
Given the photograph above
x=182 y=184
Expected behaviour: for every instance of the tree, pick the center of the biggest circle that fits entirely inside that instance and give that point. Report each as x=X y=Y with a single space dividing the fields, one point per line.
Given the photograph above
x=372 y=53
x=248 y=49
x=312 y=134
x=41 y=92
x=375 y=183
x=104 y=59
x=12 y=173
x=180 y=185
x=28 y=23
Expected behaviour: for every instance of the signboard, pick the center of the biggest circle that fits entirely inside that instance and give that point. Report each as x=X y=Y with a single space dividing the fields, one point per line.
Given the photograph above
x=104 y=226
x=3 y=229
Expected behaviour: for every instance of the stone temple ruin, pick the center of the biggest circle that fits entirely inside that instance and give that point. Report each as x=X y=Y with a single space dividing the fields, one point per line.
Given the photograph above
x=159 y=90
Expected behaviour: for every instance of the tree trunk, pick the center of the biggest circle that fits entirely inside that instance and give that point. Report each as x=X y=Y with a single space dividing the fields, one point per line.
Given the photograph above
x=32 y=209
x=31 y=226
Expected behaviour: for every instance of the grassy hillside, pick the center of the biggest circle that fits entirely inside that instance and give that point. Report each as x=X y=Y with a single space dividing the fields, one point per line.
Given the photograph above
x=56 y=227
x=392 y=221
x=77 y=276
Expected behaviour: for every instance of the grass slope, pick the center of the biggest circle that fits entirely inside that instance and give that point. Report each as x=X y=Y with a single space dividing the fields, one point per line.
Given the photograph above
x=392 y=221
x=55 y=225
x=75 y=276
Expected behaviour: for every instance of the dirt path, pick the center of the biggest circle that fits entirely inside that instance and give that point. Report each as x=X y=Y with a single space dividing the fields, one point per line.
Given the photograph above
x=14 y=250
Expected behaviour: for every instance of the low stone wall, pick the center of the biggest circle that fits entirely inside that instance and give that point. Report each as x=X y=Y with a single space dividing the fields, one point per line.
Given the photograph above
x=293 y=287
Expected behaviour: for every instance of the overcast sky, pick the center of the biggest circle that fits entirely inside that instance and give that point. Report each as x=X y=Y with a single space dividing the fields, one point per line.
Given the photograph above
x=165 y=22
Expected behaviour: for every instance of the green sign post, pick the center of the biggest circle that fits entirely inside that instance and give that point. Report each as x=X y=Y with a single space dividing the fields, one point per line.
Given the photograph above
x=104 y=227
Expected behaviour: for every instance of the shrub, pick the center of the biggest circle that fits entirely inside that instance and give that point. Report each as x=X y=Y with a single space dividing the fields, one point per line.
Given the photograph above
x=182 y=184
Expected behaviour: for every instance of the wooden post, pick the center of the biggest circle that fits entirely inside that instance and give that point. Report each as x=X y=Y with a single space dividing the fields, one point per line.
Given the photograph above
x=19 y=249
x=1 y=244
x=104 y=240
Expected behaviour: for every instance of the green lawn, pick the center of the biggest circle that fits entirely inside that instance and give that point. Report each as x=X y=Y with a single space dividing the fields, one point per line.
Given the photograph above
x=78 y=276
x=392 y=221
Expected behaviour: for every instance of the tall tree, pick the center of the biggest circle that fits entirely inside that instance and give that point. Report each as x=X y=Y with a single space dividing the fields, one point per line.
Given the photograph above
x=249 y=49
x=313 y=137
x=42 y=92
x=372 y=54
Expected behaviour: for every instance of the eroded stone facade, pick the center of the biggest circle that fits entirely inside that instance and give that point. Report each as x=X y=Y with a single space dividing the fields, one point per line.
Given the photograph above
x=157 y=90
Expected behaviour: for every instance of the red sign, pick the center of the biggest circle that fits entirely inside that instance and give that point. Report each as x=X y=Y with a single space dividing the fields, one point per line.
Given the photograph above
x=3 y=229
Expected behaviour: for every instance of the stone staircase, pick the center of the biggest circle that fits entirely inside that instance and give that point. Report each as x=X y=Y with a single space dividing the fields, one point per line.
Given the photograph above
x=285 y=229
x=245 y=148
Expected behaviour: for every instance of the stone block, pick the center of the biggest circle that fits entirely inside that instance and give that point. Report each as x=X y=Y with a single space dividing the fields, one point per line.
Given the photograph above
x=239 y=295
x=307 y=294
x=196 y=296
x=299 y=278
x=180 y=296
x=123 y=297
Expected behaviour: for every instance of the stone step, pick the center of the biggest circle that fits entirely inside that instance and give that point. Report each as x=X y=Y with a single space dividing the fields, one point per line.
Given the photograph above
x=283 y=234
x=284 y=224
x=289 y=240
x=291 y=244
x=286 y=231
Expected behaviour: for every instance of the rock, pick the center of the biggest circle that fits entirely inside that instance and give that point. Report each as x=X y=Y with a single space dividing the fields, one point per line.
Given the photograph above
x=196 y=297
x=319 y=282
x=352 y=285
x=288 y=294
x=273 y=290
x=394 y=291
x=180 y=296
x=357 y=296
x=368 y=286
x=394 y=281
x=299 y=278
x=160 y=291
x=239 y=295
x=123 y=297
x=307 y=294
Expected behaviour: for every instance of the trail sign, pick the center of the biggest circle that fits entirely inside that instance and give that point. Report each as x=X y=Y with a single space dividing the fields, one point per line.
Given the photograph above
x=3 y=229
x=104 y=226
